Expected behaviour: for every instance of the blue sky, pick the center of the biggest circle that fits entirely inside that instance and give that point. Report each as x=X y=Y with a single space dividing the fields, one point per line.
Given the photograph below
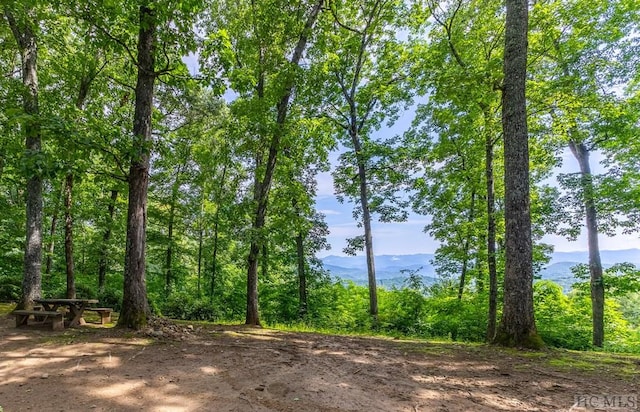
x=408 y=237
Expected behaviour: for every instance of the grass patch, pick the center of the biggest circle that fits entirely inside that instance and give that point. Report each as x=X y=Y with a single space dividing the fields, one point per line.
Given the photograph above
x=6 y=307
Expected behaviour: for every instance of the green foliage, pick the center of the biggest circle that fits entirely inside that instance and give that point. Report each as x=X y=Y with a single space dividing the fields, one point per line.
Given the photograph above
x=183 y=305
x=10 y=287
x=565 y=321
x=559 y=321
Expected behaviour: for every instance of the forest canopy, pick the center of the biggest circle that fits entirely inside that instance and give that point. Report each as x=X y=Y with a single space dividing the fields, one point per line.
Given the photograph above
x=129 y=177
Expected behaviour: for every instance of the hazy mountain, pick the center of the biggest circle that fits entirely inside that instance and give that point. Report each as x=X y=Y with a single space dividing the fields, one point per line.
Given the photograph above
x=392 y=270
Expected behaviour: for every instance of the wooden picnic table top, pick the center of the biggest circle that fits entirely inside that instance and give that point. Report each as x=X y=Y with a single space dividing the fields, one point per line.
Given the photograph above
x=66 y=301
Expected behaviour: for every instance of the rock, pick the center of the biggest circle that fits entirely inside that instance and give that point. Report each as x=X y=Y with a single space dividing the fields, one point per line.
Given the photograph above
x=157 y=333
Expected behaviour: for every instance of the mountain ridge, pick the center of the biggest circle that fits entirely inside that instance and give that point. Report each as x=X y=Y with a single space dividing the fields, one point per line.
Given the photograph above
x=392 y=270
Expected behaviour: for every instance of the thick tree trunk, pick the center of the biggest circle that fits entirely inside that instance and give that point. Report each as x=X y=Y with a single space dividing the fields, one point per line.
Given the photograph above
x=135 y=309
x=68 y=237
x=491 y=230
x=102 y=262
x=581 y=153
x=262 y=186
x=517 y=327
x=22 y=30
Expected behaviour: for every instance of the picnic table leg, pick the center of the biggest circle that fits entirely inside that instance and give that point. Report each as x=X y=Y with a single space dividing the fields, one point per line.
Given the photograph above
x=75 y=315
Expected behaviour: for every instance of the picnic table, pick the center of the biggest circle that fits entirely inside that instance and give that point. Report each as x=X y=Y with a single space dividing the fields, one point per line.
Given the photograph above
x=76 y=308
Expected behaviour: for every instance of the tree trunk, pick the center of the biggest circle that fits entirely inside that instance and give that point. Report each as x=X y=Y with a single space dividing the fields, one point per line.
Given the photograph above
x=52 y=232
x=214 y=259
x=172 y=215
x=68 y=236
x=517 y=327
x=366 y=222
x=102 y=262
x=216 y=225
x=491 y=230
x=261 y=190
x=22 y=30
x=200 y=241
x=302 y=277
x=581 y=153
x=466 y=245
x=135 y=309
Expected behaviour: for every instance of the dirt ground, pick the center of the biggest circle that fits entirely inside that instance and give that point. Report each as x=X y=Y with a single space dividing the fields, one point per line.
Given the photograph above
x=236 y=368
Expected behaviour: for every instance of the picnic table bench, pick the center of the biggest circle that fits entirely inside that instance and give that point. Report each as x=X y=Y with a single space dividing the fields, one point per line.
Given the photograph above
x=105 y=314
x=54 y=318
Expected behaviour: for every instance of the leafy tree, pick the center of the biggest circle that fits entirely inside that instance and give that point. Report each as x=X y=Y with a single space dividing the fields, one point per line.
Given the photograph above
x=364 y=73
x=264 y=75
x=23 y=20
x=584 y=111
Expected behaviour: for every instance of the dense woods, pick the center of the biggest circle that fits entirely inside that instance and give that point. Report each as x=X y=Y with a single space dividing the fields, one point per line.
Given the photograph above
x=130 y=175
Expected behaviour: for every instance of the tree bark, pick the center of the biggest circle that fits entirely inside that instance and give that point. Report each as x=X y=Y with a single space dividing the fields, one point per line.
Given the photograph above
x=22 y=29
x=261 y=190
x=68 y=236
x=581 y=153
x=517 y=326
x=102 y=262
x=135 y=309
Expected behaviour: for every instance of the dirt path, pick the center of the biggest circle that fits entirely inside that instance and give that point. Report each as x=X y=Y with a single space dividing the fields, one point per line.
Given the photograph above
x=225 y=368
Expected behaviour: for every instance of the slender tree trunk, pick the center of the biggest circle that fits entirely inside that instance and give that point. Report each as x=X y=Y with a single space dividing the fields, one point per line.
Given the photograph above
x=302 y=277
x=22 y=29
x=214 y=258
x=491 y=229
x=366 y=222
x=466 y=245
x=68 y=236
x=261 y=190
x=172 y=215
x=200 y=241
x=216 y=225
x=581 y=153
x=517 y=326
x=135 y=309
x=102 y=262
x=52 y=232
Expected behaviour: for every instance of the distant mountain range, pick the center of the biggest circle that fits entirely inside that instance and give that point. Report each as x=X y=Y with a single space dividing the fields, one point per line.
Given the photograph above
x=392 y=270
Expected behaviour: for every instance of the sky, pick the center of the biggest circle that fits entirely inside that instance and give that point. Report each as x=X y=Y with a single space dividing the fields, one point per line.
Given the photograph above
x=409 y=238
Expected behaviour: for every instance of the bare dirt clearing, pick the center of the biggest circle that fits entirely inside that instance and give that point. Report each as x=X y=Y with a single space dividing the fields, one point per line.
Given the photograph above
x=234 y=368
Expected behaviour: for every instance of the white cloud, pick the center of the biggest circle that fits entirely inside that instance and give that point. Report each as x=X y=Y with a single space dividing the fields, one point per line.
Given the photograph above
x=331 y=212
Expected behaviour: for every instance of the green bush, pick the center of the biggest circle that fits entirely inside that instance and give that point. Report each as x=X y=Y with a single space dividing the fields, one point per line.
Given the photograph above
x=184 y=305
x=10 y=288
